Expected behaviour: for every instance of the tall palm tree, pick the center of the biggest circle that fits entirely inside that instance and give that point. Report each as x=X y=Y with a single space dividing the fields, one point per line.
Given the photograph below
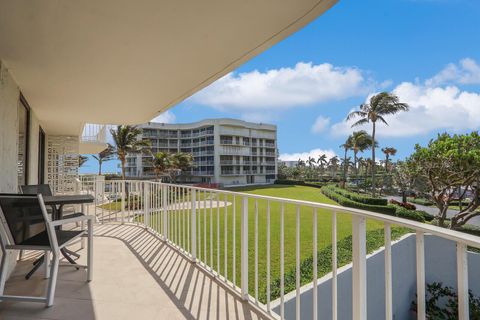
x=379 y=106
x=161 y=162
x=361 y=141
x=180 y=161
x=125 y=141
x=103 y=156
x=346 y=146
x=388 y=151
x=322 y=162
x=333 y=163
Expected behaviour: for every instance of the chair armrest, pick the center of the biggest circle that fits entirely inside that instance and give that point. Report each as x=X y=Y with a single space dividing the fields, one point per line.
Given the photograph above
x=71 y=220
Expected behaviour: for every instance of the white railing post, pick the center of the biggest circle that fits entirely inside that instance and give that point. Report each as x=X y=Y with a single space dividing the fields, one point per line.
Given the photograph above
x=193 y=229
x=359 y=268
x=164 y=210
x=244 y=248
x=462 y=282
x=123 y=200
x=146 y=204
x=420 y=254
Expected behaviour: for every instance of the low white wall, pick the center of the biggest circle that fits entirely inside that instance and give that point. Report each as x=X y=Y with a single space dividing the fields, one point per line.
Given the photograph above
x=440 y=266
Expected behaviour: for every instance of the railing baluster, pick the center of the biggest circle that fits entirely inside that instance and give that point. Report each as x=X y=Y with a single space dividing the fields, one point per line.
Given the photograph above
x=218 y=233
x=193 y=227
x=211 y=230
x=420 y=253
x=165 y=211
x=297 y=265
x=282 y=262
x=268 y=257
x=388 y=272
x=256 y=251
x=225 y=232
x=234 y=254
x=244 y=248
x=205 y=227
x=315 y=262
x=462 y=282
x=359 y=268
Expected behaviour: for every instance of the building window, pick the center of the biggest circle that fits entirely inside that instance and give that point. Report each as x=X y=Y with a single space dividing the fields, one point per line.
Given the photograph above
x=23 y=135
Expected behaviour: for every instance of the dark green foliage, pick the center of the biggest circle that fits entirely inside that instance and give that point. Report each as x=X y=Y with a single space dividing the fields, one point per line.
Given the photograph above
x=401 y=212
x=300 y=183
x=405 y=205
x=421 y=201
x=358 y=197
x=375 y=239
x=347 y=202
x=442 y=303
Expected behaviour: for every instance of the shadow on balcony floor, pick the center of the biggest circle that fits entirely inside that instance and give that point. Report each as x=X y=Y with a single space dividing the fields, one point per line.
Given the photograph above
x=136 y=276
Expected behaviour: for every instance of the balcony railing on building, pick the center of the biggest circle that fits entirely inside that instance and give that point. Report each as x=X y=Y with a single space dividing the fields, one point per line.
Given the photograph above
x=166 y=208
x=94 y=133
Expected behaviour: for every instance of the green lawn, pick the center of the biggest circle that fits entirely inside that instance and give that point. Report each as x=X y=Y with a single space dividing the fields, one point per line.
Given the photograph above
x=306 y=232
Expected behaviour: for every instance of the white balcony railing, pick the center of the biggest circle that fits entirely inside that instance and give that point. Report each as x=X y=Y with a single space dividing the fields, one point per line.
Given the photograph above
x=202 y=224
x=94 y=133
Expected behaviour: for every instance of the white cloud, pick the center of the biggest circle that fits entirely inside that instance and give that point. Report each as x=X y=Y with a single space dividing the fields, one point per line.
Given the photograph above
x=467 y=71
x=284 y=88
x=165 y=117
x=320 y=125
x=431 y=109
x=315 y=153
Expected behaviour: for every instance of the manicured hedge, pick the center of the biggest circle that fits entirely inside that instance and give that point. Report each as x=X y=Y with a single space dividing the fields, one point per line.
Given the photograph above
x=331 y=193
x=300 y=183
x=421 y=201
x=401 y=212
x=358 y=197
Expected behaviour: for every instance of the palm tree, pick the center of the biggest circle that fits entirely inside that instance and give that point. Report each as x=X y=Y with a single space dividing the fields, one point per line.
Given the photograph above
x=180 y=161
x=388 y=151
x=82 y=160
x=379 y=106
x=125 y=139
x=103 y=156
x=333 y=162
x=161 y=162
x=361 y=141
x=346 y=146
x=322 y=162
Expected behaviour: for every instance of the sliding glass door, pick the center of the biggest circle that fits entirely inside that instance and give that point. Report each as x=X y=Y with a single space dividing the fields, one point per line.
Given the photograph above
x=22 y=137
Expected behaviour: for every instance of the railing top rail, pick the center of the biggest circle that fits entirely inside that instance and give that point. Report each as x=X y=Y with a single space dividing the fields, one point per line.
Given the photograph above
x=453 y=235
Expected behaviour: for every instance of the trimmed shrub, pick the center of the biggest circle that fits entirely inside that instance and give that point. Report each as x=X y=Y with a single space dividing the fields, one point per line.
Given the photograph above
x=300 y=183
x=401 y=212
x=358 y=197
x=421 y=201
x=347 y=202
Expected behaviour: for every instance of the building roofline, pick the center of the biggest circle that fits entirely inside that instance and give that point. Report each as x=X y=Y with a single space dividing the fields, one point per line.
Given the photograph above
x=206 y=122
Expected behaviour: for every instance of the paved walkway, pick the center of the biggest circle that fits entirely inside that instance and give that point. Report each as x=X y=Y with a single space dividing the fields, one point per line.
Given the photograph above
x=136 y=276
x=434 y=211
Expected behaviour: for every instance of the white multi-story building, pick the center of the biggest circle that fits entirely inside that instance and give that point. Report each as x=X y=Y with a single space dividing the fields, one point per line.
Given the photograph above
x=225 y=151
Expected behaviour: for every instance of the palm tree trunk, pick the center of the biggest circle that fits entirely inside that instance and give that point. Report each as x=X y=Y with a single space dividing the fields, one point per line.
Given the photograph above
x=100 y=167
x=123 y=168
x=355 y=166
x=345 y=168
x=373 y=160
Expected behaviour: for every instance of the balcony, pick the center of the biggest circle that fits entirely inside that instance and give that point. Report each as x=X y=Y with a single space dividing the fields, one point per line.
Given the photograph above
x=149 y=264
x=93 y=138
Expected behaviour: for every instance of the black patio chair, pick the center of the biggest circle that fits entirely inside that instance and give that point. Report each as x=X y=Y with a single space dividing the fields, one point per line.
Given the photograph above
x=27 y=226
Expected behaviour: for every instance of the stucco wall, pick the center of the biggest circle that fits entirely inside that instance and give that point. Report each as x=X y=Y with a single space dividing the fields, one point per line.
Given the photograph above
x=9 y=97
x=440 y=266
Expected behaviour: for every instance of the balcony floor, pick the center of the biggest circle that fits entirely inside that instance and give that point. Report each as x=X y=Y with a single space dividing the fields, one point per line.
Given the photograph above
x=136 y=276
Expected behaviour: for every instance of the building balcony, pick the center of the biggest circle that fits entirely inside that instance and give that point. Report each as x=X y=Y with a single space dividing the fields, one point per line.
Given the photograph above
x=147 y=266
x=93 y=138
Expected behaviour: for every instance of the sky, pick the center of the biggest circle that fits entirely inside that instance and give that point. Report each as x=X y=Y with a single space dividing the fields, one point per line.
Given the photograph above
x=427 y=52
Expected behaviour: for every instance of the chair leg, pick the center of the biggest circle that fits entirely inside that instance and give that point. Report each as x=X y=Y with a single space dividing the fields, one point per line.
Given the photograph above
x=46 y=258
x=53 y=279
x=3 y=271
x=90 y=250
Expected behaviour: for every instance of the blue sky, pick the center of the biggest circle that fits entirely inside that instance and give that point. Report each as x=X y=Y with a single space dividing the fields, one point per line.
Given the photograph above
x=426 y=51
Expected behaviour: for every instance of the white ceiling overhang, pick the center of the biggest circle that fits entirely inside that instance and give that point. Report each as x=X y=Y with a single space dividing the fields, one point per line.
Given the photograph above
x=125 y=61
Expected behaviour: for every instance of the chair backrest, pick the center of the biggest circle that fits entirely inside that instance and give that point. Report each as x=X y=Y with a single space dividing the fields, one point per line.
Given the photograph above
x=43 y=189
x=22 y=216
